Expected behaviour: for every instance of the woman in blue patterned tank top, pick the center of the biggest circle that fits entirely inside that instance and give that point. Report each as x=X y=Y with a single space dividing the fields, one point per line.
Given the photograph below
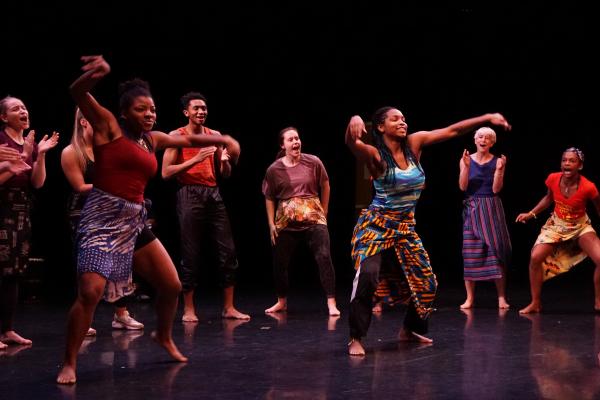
x=385 y=244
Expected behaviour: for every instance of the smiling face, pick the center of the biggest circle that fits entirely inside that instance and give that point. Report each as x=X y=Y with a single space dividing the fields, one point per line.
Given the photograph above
x=570 y=164
x=14 y=114
x=290 y=142
x=484 y=139
x=394 y=124
x=196 y=111
x=141 y=114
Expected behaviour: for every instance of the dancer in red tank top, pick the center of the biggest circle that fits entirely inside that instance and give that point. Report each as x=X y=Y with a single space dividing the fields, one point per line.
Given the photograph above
x=114 y=213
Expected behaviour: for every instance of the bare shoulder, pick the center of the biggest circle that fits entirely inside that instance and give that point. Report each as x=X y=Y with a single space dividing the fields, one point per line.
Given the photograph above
x=68 y=151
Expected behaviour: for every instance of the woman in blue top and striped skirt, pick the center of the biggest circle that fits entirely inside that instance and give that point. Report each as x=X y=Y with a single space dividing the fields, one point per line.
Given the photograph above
x=486 y=243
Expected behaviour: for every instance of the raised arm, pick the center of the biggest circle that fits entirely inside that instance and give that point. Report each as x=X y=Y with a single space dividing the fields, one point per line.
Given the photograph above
x=543 y=204
x=420 y=139
x=463 y=176
x=363 y=152
x=162 y=140
x=104 y=123
x=498 y=182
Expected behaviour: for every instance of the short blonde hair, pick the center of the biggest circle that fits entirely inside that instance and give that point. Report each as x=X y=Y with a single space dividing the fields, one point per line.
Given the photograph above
x=487 y=132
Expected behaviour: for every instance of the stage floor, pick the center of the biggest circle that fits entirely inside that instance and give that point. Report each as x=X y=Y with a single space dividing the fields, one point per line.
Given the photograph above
x=480 y=354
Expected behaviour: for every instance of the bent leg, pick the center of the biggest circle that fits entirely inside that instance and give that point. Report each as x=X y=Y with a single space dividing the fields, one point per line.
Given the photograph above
x=90 y=290
x=538 y=255
x=152 y=262
x=590 y=244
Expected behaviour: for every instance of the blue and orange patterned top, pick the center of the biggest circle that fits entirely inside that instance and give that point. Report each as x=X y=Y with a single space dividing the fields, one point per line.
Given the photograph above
x=401 y=195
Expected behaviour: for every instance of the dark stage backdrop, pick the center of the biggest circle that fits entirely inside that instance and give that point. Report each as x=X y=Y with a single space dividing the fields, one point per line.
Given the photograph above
x=313 y=65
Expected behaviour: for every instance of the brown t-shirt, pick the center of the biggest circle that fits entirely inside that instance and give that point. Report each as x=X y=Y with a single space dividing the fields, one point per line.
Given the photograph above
x=296 y=190
x=301 y=180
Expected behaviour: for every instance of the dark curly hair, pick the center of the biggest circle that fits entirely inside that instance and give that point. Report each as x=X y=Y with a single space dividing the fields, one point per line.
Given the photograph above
x=131 y=89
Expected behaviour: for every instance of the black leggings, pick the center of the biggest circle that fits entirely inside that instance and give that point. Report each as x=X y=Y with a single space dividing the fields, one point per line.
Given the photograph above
x=317 y=239
x=365 y=284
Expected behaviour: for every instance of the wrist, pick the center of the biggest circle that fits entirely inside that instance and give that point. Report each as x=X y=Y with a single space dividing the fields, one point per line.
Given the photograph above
x=532 y=214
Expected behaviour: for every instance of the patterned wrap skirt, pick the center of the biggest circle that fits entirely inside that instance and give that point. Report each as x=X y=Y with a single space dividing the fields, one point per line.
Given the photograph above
x=377 y=230
x=564 y=234
x=15 y=230
x=106 y=236
x=486 y=243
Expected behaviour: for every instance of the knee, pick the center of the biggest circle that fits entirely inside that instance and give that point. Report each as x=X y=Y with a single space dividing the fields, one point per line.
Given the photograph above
x=536 y=260
x=171 y=288
x=90 y=295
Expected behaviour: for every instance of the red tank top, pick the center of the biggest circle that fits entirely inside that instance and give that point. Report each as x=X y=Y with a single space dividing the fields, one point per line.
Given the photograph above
x=122 y=168
x=203 y=173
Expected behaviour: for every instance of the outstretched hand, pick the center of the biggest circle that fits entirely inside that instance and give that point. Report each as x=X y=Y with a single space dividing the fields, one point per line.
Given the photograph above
x=356 y=128
x=524 y=217
x=48 y=143
x=96 y=64
x=499 y=120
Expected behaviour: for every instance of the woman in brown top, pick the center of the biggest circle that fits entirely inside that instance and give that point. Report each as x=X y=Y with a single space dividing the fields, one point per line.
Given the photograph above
x=295 y=213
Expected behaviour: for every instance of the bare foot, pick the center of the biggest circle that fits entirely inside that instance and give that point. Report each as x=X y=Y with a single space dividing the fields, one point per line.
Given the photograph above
x=66 y=376
x=170 y=347
x=355 y=348
x=377 y=308
x=531 y=309
x=502 y=304
x=278 y=307
x=11 y=337
x=334 y=312
x=409 y=336
x=189 y=316
x=91 y=332
x=466 y=305
x=3 y=346
x=232 y=313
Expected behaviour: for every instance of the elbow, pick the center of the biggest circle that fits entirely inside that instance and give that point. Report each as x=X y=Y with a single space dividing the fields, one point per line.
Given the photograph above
x=166 y=174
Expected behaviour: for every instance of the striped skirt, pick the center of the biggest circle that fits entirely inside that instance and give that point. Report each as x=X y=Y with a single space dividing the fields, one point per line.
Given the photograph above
x=106 y=236
x=486 y=243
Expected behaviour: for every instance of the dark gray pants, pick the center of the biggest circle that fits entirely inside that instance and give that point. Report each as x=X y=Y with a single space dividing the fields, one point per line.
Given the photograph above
x=203 y=218
x=361 y=305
